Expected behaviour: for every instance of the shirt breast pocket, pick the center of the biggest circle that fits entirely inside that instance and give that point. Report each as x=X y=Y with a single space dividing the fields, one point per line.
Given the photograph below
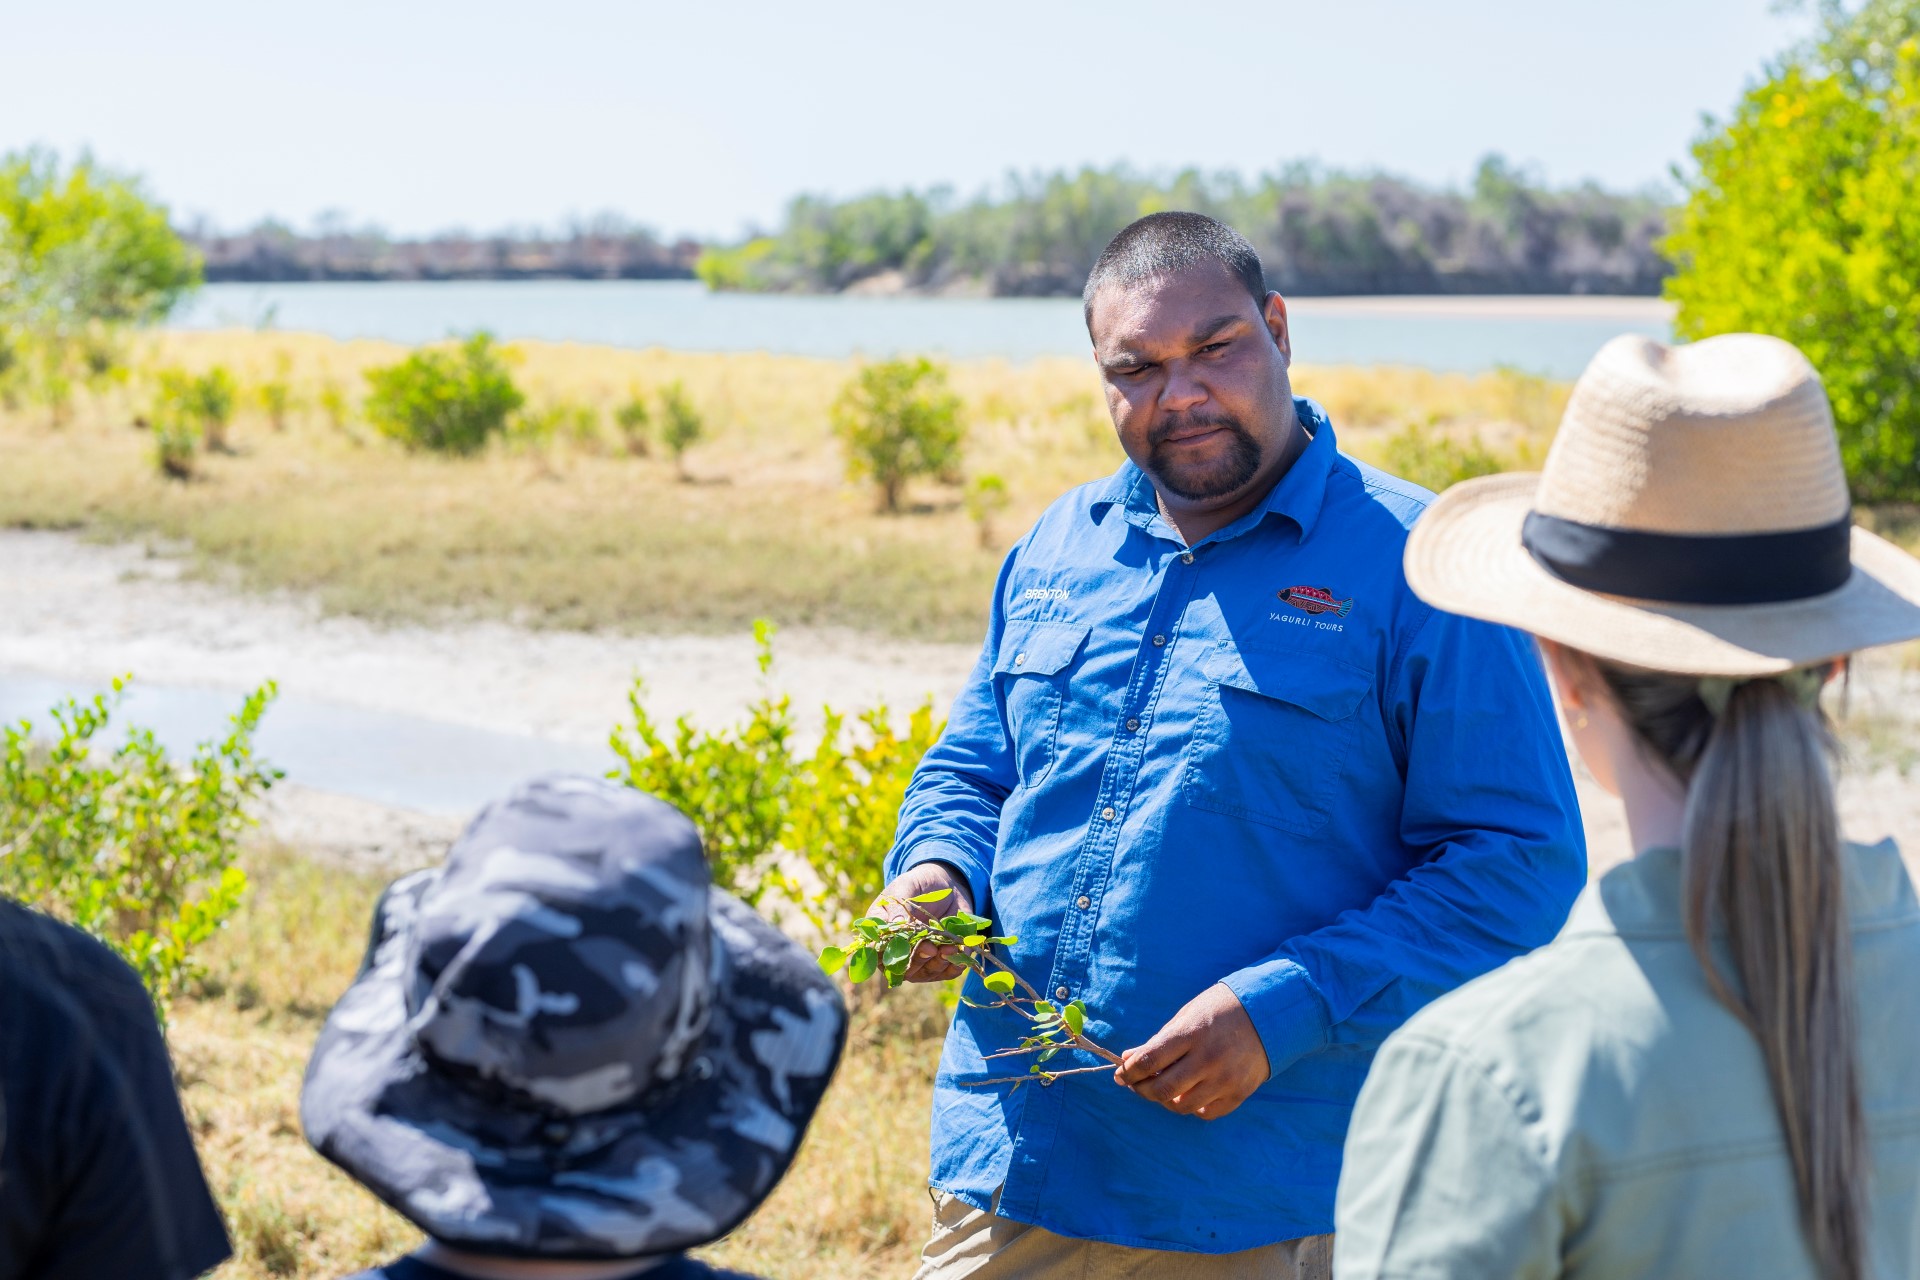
x=1273 y=734
x=1030 y=670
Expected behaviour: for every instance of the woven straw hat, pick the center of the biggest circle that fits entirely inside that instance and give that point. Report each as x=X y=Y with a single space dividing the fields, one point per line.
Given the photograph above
x=1692 y=517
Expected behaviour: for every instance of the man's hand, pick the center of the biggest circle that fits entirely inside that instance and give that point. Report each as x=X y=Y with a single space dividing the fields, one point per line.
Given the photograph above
x=1205 y=1062
x=929 y=963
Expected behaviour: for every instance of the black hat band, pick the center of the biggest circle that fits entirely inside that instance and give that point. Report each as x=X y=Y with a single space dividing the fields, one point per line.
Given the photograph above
x=1689 y=568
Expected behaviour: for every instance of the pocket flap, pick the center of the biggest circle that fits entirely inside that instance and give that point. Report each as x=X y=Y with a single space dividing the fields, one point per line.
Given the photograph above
x=1038 y=648
x=1327 y=687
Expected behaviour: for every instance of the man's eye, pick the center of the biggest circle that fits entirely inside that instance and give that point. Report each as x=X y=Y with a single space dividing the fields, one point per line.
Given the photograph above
x=1213 y=346
x=1134 y=371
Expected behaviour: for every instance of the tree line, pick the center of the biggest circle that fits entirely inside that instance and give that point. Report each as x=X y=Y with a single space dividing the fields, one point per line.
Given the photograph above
x=1318 y=231
x=604 y=248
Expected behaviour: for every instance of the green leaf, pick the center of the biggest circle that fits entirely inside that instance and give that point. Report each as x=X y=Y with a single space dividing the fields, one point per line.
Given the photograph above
x=1007 y=941
x=964 y=923
x=896 y=973
x=933 y=896
x=1075 y=1016
x=1042 y=1006
x=832 y=959
x=862 y=963
x=999 y=983
x=896 y=951
x=973 y=940
x=869 y=927
x=1046 y=1055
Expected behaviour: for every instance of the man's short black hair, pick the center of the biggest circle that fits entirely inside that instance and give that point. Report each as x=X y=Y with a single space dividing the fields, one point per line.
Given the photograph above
x=1164 y=244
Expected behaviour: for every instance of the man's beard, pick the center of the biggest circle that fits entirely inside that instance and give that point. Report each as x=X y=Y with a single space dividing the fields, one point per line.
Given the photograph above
x=1201 y=481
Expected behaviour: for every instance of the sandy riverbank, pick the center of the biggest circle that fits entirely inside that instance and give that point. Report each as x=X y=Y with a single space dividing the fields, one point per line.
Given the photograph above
x=81 y=611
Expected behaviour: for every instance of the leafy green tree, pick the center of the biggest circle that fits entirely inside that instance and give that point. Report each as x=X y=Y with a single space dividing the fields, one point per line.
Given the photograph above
x=1802 y=223
x=84 y=253
x=444 y=401
x=196 y=402
x=898 y=420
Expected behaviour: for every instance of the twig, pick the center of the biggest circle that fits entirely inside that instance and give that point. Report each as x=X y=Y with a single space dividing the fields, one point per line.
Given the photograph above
x=1030 y=1077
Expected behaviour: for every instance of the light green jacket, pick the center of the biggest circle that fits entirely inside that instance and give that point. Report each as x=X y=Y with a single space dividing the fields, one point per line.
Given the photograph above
x=1591 y=1110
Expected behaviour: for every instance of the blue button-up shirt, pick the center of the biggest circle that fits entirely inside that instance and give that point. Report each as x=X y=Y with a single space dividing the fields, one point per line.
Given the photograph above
x=1259 y=760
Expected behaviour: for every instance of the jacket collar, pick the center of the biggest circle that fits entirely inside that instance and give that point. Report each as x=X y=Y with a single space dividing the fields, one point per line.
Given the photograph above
x=1643 y=897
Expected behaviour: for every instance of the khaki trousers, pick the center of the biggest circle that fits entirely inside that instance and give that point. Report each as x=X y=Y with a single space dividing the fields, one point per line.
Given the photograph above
x=978 y=1245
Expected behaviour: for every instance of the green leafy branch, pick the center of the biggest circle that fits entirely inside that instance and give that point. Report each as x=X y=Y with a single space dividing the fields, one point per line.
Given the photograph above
x=886 y=947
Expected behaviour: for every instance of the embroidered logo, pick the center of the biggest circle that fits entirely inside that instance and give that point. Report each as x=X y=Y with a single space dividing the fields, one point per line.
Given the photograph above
x=1316 y=600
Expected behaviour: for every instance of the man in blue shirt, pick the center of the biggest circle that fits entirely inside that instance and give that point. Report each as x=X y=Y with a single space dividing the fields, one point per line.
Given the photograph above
x=1233 y=787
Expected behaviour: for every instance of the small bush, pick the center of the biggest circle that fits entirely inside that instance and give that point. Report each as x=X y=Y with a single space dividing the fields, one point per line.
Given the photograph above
x=577 y=424
x=125 y=843
x=276 y=393
x=987 y=497
x=898 y=420
x=636 y=425
x=1435 y=460
x=681 y=426
x=202 y=402
x=444 y=401
x=176 y=447
x=764 y=809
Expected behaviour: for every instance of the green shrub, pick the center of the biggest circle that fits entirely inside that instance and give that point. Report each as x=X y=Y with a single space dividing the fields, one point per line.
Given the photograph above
x=176 y=447
x=987 y=497
x=1802 y=223
x=814 y=827
x=276 y=393
x=1435 y=460
x=636 y=425
x=681 y=426
x=197 y=402
x=444 y=401
x=124 y=842
x=898 y=420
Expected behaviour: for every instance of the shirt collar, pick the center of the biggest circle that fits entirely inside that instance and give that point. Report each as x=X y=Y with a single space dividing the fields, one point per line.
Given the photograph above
x=1298 y=496
x=1644 y=897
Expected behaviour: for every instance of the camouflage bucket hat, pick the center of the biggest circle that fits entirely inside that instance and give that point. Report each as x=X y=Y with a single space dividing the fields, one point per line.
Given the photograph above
x=565 y=1044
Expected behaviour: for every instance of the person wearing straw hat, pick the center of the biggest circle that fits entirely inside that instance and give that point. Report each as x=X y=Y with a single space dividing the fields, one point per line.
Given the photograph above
x=1711 y=1071
x=568 y=1056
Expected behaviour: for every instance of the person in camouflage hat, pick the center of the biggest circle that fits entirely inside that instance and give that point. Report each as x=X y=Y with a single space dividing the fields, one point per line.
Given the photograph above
x=564 y=1044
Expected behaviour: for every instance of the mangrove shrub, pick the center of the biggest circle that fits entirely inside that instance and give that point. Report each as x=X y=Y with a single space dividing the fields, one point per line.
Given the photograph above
x=444 y=401
x=898 y=420
x=1802 y=223
x=125 y=842
x=84 y=254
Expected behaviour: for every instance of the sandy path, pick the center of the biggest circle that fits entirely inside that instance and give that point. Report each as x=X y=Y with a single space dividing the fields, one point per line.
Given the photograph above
x=80 y=611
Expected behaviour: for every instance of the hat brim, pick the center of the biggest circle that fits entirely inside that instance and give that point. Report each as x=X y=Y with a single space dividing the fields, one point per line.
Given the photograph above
x=679 y=1169
x=1465 y=556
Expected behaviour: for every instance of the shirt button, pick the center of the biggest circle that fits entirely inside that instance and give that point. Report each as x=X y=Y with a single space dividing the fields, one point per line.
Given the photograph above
x=1019 y=658
x=1133 y=726
x=1083 y=902
x=1159 y=641
x=1107 y=813
x=1060 y=993
x=1187 y=558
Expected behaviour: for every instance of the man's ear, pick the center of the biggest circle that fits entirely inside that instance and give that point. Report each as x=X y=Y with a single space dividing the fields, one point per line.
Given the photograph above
x=1275 y=314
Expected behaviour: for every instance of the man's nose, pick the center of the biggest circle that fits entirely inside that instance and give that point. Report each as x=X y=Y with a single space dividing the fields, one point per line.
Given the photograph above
x=1181 y=391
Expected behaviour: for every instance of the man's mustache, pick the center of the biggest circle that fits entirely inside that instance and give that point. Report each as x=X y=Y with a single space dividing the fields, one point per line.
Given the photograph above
x=1190 y=423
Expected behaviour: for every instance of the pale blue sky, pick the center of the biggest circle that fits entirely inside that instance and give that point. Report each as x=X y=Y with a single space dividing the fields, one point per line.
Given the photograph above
x=705 y=117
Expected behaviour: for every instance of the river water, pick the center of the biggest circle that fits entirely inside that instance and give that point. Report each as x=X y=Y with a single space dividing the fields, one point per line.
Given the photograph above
x=1552 y=336
x=406 y=761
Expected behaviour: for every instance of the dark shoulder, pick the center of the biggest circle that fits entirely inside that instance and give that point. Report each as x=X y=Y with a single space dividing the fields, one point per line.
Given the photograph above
x=685 y=1268
x=42 y=952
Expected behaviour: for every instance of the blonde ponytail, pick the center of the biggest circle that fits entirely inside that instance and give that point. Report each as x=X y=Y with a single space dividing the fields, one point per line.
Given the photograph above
x=1763 y=861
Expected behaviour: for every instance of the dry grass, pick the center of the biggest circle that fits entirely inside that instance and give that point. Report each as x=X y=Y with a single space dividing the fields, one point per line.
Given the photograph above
x=854 y=1204
x=577 y=535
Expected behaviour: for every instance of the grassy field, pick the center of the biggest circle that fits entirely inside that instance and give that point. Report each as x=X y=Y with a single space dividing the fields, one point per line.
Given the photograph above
x=575 y=533
x=854 y=1204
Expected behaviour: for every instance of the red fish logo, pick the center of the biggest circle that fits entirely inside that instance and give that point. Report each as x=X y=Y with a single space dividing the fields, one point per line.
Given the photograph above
x=1316 y=600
